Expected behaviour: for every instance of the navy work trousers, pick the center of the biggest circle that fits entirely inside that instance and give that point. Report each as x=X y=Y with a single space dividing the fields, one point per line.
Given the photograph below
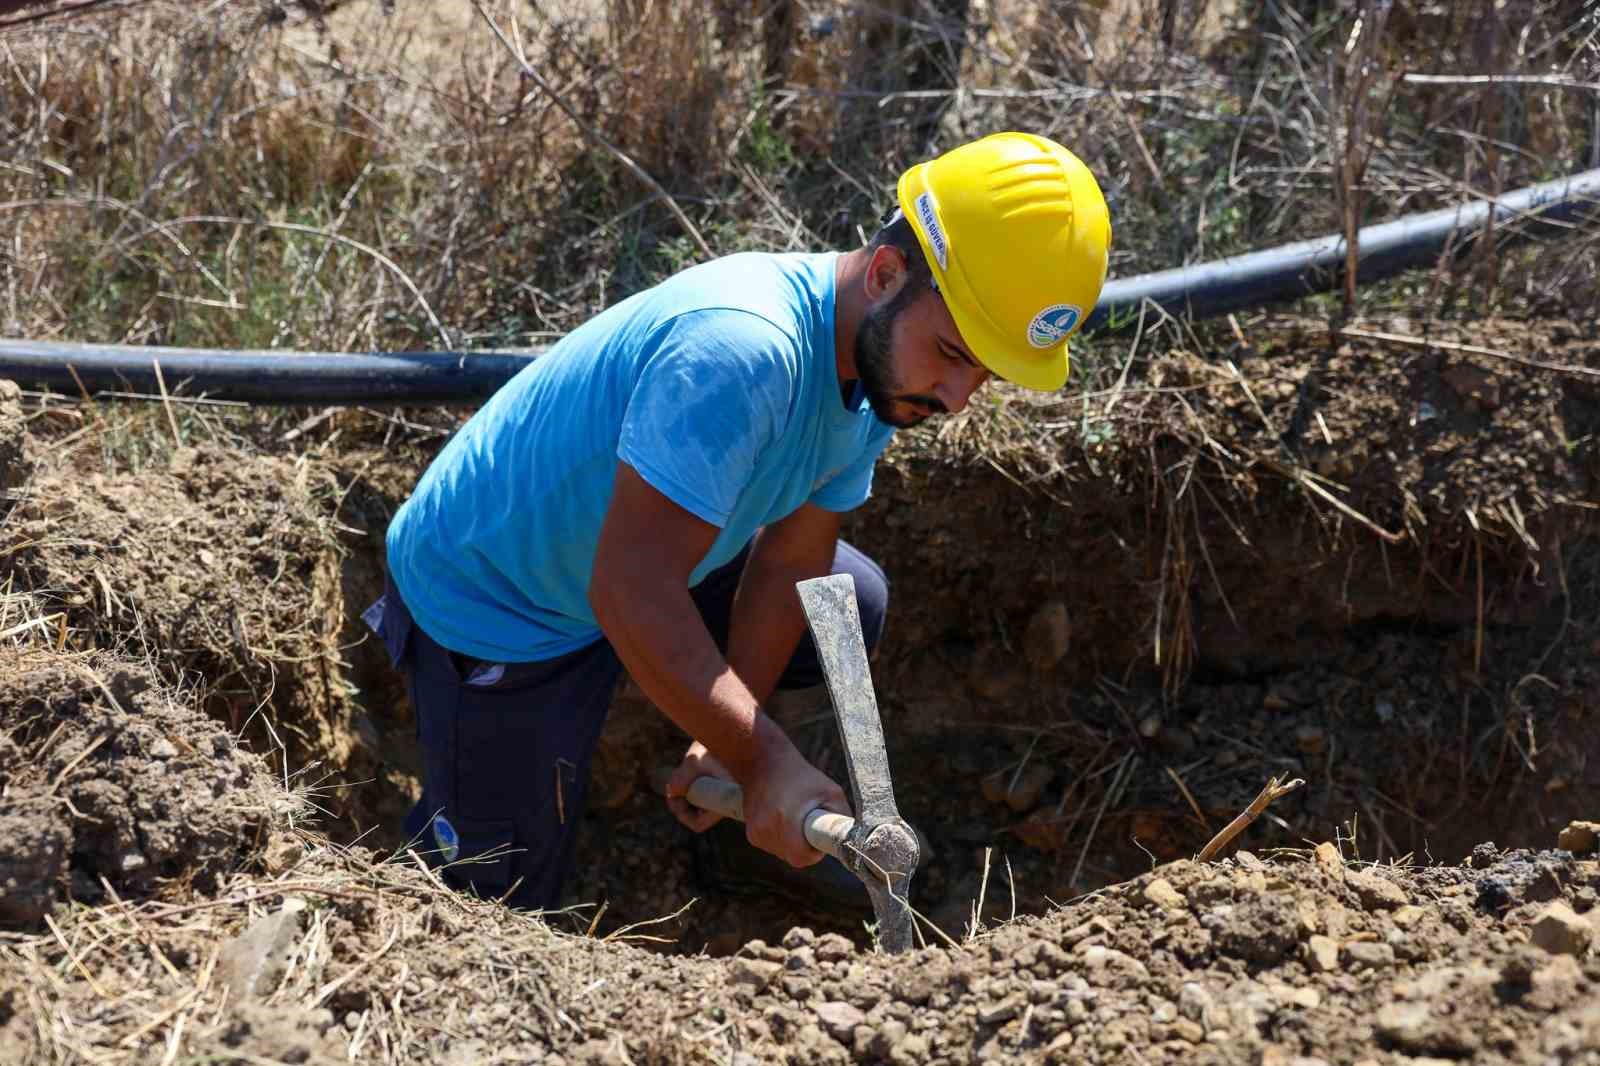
x=506 y=746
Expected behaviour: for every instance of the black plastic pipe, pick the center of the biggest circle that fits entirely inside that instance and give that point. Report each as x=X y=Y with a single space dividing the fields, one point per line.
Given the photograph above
x=260 y=376
x=1201 y=291
x=1292 y=271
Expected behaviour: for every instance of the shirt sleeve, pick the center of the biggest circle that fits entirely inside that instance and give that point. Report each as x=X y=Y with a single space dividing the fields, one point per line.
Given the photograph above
x=713 y=394
x=852 y=486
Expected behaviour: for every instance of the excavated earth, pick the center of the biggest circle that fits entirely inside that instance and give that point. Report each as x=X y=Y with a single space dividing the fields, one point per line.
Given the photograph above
x=1365 y=560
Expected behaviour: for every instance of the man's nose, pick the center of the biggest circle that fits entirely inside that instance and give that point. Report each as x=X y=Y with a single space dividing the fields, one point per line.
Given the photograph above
x=957 y=389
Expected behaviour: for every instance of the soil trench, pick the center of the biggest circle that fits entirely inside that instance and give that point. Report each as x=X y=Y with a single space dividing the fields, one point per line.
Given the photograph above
x=1363 y=567
x=1100 y=647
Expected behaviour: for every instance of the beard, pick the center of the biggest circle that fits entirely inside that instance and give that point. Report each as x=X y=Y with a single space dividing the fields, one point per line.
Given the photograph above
x=875 y=365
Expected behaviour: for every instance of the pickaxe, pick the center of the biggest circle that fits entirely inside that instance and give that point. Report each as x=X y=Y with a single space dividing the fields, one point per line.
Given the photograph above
x=876 y=845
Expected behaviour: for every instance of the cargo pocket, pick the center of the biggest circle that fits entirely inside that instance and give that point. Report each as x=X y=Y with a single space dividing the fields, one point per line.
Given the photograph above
x=477 y=855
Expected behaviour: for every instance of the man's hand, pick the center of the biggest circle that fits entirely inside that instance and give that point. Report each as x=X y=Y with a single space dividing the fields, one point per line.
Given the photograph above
x=697 y=762
x=778 y=797
x=776 y=800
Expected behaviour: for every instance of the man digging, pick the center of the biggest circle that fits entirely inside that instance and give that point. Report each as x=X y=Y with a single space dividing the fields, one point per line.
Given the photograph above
x=646 y=495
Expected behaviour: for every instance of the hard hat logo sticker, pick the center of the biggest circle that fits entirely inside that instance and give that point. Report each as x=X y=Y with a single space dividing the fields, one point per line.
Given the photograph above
x=1052 y=325
x=445 y=835
x=935 y=232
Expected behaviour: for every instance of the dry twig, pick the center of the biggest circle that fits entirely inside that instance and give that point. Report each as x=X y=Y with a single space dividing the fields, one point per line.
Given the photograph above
x=1272 y=791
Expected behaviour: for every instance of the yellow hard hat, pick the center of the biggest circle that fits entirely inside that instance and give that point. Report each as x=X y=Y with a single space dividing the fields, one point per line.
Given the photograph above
x=1015 y=230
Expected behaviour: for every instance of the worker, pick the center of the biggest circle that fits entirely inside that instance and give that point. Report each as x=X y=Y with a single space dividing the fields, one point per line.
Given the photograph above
x=646 y=494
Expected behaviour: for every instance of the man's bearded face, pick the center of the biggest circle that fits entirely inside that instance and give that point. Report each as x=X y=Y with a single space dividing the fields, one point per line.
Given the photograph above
x=875 y=363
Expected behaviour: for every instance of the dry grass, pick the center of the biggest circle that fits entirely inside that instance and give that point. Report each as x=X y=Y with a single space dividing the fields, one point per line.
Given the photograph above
x=222 y=179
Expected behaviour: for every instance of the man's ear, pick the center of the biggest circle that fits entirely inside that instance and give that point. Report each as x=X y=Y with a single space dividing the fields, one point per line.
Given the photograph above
x=886 y=272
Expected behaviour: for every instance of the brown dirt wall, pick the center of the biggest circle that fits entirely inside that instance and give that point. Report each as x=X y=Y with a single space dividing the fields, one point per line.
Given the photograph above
x=224 y=570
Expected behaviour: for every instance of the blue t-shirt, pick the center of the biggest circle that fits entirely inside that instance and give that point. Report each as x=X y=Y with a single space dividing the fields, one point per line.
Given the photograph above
x=718 y=386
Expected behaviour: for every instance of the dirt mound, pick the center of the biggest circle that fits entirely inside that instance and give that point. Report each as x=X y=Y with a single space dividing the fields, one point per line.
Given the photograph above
x=1302 y=959
x=224 y=568
x=107 y=776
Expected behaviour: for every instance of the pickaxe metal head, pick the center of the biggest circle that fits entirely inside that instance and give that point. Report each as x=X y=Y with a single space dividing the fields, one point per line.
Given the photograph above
x=880 y=848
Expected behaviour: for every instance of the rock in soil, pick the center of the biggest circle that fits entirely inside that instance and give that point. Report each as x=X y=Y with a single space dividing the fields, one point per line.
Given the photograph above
x=1580 y=838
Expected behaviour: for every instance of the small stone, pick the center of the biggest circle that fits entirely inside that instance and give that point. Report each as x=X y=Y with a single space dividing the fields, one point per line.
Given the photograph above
x=910 y=1051
x=1194 y=1002
x=1049 y=634
x=1149 y=726
x=1408 y=916
x=1100 y=925
x=1406 y=1024
x=1561 y=931
x=1308 y=915
x=1322 y=954
x=1190 y=1031
x=1329 y=860
x=995 y=1013
x=1161 y=893
x=798 y=937
x=1289 y=996
x=1103 y=962
x=1375 y=892
x=1367 y=955
x=756 y=973
x=1579 y=837
x=840 y=1020
x=162 y=748
x=252 y=963
x=834 y=947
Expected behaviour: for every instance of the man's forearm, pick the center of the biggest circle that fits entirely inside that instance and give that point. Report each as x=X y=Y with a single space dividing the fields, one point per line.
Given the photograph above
x=767 y=622
x=659 y=636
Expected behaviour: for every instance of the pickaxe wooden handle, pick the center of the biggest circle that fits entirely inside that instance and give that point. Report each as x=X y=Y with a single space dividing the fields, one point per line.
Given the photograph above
x=825 y=830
